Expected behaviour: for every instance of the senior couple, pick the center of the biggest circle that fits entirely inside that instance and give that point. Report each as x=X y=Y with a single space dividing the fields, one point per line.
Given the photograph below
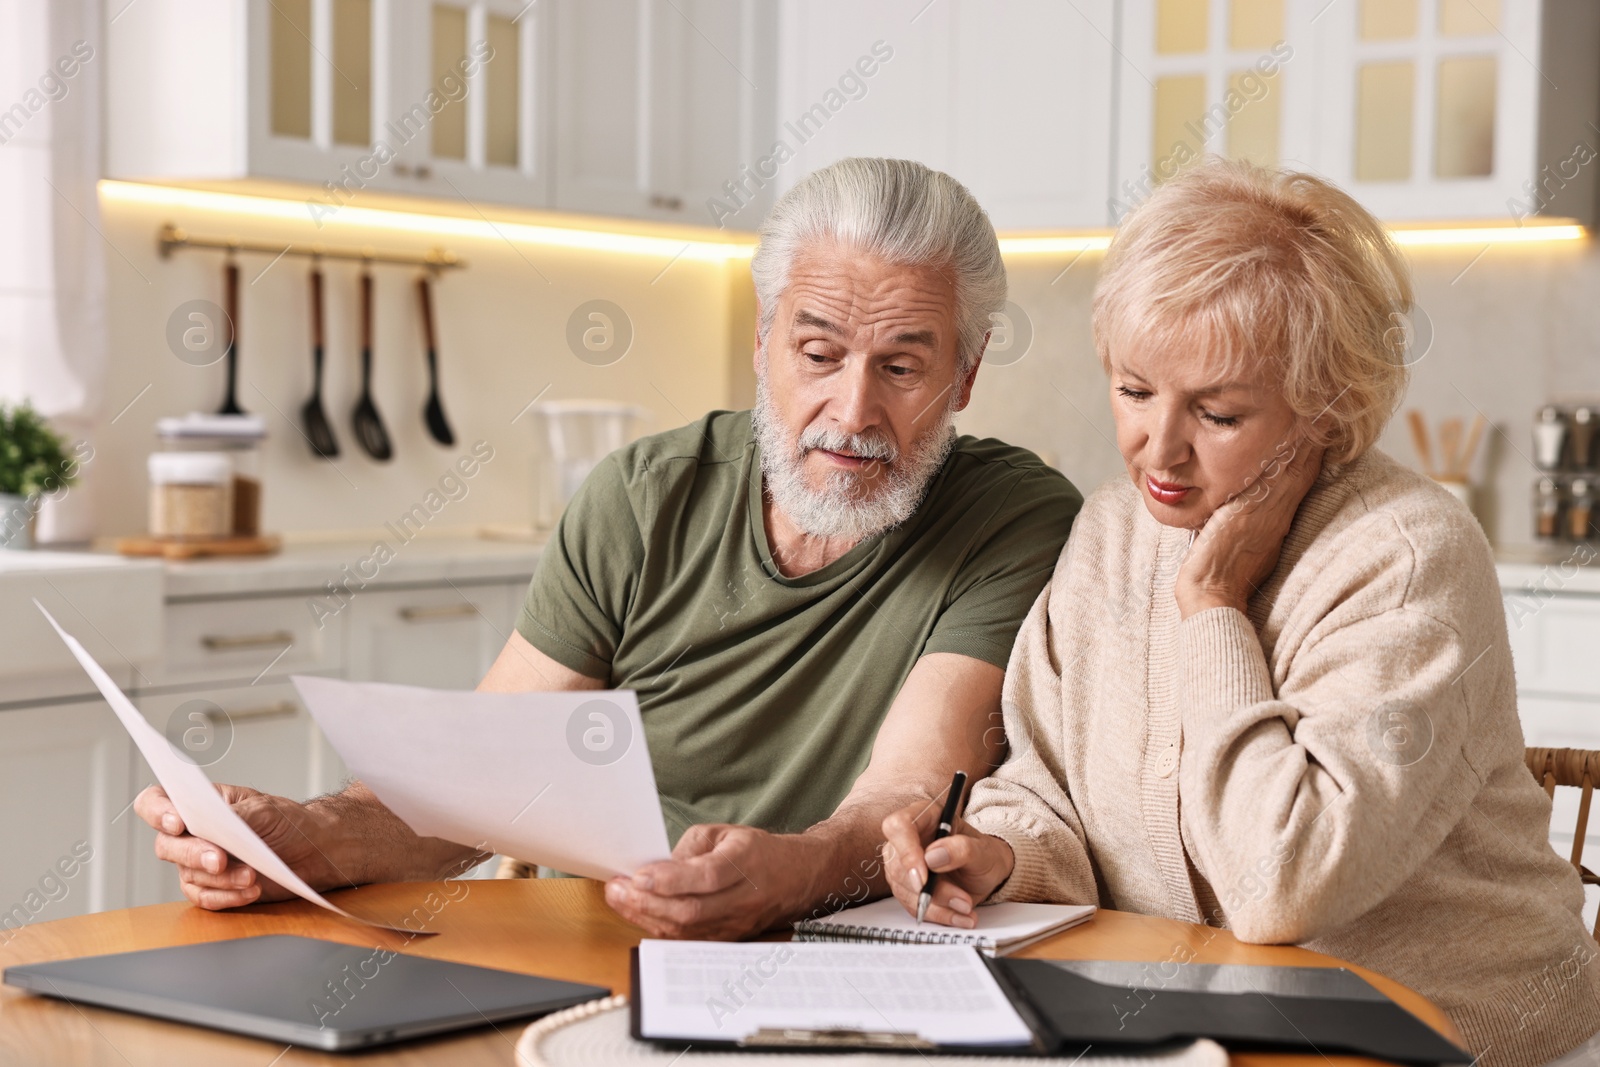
x=1265 y=684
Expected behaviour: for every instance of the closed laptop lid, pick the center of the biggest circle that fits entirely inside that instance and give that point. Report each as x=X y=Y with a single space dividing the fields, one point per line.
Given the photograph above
x=302 y=991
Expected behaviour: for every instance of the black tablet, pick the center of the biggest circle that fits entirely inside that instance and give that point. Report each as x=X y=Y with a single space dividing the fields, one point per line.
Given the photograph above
x=301 y=991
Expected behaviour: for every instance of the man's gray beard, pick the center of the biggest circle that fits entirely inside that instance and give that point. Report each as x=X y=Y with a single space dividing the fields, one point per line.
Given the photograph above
x=842 y=508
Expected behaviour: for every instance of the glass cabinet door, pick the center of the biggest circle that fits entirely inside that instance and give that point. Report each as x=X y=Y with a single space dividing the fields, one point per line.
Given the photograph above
x=1430 y=108
x=322 y=72
x=1202 y=77
x=476 y=74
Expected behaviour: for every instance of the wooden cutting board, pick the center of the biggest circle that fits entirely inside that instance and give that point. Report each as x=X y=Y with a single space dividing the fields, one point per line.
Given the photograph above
x=262 y=545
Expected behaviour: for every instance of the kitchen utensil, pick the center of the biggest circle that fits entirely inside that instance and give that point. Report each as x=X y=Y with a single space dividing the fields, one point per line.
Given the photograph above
x=366 y=421
x=230 y=286
x=1419 y=438
x=1449 y=440
x=1474 y=436
x=433 y=410
x=1549 y=437
x=319 y=431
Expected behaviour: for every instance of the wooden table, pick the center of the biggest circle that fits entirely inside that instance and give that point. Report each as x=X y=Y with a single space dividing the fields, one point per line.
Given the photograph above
x=557 y=927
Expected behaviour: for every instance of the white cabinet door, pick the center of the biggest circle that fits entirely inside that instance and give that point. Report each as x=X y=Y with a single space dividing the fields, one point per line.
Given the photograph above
x=659 y=103
x=1013 y=99
x=65 y=784
x=439 y=638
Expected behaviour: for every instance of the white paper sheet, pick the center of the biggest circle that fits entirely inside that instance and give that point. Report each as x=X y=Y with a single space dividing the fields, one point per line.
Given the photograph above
x=205 y=814
x=714 y=991
x=559 y=779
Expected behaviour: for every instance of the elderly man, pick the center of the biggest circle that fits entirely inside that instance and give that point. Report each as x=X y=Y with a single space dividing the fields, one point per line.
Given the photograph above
x=815 y=601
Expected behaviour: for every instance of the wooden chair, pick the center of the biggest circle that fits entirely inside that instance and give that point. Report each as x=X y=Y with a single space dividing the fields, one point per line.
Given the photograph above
x=1579 y=768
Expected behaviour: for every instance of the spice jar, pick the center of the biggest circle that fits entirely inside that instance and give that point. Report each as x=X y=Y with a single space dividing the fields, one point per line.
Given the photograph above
x=1549 y=437
x=1580 y=509
x=191 y=495
x=1546 y=509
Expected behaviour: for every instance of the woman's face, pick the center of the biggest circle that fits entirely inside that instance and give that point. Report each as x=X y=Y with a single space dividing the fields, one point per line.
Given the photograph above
x=1193 y=431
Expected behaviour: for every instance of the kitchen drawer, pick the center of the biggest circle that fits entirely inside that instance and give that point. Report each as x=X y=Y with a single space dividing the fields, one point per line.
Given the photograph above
x=255 y=735
x=244 y=640
x=1554 y=643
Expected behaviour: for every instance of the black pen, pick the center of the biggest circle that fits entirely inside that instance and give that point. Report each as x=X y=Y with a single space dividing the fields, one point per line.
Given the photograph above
x=947 y=819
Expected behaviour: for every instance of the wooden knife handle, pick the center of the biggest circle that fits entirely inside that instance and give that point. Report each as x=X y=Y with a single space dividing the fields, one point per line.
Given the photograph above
x=425 y=298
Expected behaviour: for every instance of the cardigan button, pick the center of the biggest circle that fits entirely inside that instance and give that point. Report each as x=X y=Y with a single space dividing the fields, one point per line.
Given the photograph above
x=1167 y=762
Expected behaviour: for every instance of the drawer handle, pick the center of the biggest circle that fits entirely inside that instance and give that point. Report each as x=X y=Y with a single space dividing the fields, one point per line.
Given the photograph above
x=283 y=709
x=448 y=611
x=227 y=643
x=666 y=203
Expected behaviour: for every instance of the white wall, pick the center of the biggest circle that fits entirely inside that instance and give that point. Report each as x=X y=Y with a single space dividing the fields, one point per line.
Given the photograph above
x=502 y=337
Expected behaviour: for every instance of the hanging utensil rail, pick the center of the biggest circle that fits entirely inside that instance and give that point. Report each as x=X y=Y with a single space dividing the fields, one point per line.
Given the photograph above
x=172 y=237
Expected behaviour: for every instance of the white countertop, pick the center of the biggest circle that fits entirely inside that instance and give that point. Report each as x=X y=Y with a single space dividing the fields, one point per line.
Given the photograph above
x=1550 y=569
x=310 y=566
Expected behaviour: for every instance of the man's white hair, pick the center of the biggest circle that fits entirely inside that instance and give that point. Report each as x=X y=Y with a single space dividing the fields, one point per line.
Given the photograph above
x=897 y=209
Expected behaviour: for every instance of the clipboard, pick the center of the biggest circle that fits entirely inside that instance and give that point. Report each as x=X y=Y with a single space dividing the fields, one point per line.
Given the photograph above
x=1069 y=1005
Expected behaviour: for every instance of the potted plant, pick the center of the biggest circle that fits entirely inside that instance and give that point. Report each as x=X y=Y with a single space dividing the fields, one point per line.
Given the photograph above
x=33 y=461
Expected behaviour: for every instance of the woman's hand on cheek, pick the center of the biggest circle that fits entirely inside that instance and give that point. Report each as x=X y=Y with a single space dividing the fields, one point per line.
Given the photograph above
x=1239 y=545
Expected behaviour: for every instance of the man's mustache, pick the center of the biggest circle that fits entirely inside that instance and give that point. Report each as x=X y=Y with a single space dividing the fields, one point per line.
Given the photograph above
x=863 y=446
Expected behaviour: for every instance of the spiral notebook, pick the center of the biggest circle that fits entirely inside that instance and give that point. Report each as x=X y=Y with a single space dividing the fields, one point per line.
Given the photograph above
x=1002 y=928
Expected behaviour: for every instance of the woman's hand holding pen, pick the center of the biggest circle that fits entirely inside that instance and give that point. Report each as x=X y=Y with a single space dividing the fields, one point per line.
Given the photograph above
x=971 y=865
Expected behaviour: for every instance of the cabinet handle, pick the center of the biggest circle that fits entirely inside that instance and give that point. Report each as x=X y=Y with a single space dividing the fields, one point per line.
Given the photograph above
x=424 y=171
x=667 y=203
x=448 y=611
x=283 y=709
x=229 y=643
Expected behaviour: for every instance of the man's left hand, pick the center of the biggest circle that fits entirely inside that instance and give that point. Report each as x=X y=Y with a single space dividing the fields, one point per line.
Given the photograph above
x=722 y=883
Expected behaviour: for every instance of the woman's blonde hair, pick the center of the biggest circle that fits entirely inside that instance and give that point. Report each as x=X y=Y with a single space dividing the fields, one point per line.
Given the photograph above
x=1270 y=268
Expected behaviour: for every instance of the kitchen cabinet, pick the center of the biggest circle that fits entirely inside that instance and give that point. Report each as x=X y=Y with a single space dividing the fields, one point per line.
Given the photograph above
x=646 y=110
x=1554 y=632
x=661 y=106
x=65 y=784
x=278 y=89
x=425 y=97
x=438 y=638
x=1012 y=99
x=1422 y=109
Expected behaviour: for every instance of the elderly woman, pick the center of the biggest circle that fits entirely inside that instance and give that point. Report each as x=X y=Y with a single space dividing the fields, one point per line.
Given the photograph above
x=1269 y=685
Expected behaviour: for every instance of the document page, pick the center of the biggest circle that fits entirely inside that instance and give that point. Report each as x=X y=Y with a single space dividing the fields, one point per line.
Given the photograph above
x=559 y=779
x=714 y=991
x=205 y=814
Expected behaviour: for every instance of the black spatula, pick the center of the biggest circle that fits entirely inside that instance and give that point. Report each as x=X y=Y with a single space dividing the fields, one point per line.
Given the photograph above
x=319 y=431
x=366 y=421
x=433 y=410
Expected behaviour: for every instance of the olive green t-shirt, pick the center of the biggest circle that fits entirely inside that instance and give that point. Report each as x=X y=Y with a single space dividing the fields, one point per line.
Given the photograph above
x=760 y=694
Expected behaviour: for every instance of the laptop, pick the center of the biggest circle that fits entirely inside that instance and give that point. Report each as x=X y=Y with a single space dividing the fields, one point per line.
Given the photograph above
x=302 y=991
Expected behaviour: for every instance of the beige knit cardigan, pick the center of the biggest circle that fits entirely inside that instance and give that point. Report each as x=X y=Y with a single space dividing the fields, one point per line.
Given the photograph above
x=1340 y=769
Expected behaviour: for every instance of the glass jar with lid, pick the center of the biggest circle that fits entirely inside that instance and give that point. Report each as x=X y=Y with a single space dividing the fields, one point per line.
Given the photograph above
x=237 y=439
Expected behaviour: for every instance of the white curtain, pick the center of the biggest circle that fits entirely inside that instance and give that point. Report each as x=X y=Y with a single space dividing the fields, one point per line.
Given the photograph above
x=52 y=268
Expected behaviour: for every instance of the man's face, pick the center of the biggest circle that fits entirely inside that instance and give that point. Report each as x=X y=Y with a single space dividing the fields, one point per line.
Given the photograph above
x=858 y=384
